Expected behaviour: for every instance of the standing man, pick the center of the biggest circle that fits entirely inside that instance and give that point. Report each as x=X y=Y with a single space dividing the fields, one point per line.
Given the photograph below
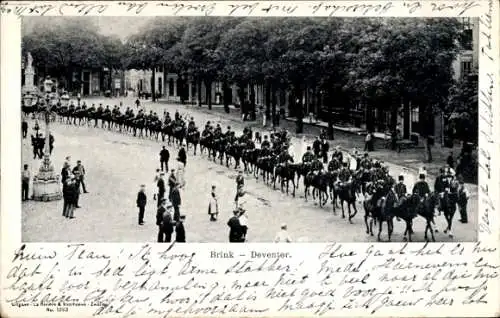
x=180 y=232
x=325 y=147
x=175 y=198
x=317 y=147
x=41 y=145
x=34 y=145
x=79 y=171
x=182 y=156
x=24 y=127
x=51 y=143
x=172 y=180
x=26 y=177
x=240 y=183
x=161 y=188
x=164 y=157
x=450 y=161
x=234 y=227
x=164 y=222
x=141 y=203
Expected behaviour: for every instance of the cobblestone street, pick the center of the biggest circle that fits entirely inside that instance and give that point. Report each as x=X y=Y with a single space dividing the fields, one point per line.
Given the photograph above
x=117 y=164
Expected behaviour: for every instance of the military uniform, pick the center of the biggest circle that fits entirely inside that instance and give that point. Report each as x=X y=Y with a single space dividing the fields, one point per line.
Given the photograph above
x=421 y=188
x=307 y=157
x=400 y=190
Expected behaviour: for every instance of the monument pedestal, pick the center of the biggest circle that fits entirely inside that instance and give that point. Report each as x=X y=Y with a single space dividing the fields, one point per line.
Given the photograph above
x=46 y=185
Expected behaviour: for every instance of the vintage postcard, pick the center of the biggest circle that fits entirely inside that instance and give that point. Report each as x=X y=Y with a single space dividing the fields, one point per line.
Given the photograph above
x=140 y=140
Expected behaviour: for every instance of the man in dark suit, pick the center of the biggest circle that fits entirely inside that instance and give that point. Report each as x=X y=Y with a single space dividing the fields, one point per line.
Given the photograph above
x=182 y=156
x=161 y=188
x=317 y=147
x=172 y=180
x=180 y=232
x=164 y=157
x=141 y=203
x=235 y=231
x=175 y=198
x=164 y=222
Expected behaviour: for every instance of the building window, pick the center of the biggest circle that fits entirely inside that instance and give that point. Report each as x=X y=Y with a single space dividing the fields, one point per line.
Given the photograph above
x=466 y=23
x=466 y=68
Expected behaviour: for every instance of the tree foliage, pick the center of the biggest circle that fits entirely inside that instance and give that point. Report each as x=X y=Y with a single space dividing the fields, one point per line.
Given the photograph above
x=380 y=62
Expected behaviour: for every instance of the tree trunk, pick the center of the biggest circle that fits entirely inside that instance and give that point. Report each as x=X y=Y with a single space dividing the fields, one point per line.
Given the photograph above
x=225 y=96
x=274 y=102
x=268 y=101
x=153 y=86
x=208 y=90
x=299 y=109
x=241 y=97
x=198 y=89
x=252 y=96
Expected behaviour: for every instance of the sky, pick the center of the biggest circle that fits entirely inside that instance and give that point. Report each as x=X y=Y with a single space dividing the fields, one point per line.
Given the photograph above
x=112 y=26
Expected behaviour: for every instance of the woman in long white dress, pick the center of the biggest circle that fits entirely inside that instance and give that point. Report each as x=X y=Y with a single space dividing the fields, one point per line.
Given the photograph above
x=213 y=205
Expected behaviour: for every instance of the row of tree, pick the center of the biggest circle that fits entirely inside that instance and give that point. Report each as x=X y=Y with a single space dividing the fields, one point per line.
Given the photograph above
x=67 y=45
x=378 y=62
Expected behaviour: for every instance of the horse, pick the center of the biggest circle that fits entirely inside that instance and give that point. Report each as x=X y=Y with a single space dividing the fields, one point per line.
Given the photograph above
x=319 y=183
x=425 y=208
x=193 y=138
x=347 y=193
x=286 y=173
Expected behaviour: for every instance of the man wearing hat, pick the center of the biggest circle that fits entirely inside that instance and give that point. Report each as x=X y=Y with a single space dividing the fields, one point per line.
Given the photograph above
x=164 y=157
x=265 y=144
x=182 y=156
x=164 y=221
x=325 y=147
x=421 y=188
x=400 y=187
x=161 y=188
x=317 y=147
x=308 y=156
x=172 y=180
x=175 y=199
x=141 y=203
x=234 y=227
x=180 y=231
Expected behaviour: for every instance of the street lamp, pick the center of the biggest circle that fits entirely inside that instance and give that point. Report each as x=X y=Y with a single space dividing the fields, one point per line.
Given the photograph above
x=46 y=186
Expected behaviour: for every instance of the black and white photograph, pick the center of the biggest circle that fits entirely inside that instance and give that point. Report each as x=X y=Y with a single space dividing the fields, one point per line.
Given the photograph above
x=249 y=129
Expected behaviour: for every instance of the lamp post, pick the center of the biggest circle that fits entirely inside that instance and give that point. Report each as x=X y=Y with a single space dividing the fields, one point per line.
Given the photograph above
x=46 y=185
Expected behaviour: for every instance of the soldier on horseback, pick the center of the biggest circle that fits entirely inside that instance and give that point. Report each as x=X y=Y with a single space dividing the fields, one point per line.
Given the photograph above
x=308 y=156
x=265 y=143
x=284 y=157
x=421 y=188
x=218 y=131
x=191 y=125
x=344 y=173
x=334 y=164
x=337 y=154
